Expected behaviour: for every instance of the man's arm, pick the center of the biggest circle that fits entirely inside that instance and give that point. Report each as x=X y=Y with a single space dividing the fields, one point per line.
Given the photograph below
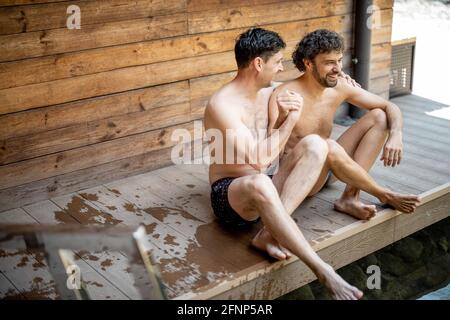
x=276 y=118
x=239 y=138
x=279 y=107
x=393 y=149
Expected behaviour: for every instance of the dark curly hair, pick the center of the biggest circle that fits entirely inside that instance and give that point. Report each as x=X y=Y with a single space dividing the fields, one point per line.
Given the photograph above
x=318 y=41
x=257 y=42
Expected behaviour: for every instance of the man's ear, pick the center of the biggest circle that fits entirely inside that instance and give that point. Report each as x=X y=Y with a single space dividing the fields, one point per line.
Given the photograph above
x=308 y=64
x=258 y=63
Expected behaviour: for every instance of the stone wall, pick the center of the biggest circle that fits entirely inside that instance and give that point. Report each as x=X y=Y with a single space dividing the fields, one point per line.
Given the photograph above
x=409 y=268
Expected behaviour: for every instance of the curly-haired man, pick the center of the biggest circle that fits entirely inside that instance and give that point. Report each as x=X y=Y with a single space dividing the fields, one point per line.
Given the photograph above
x=319 y=57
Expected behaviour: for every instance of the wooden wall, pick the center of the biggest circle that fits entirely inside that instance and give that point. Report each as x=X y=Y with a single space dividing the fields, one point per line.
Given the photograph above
x=82 y=107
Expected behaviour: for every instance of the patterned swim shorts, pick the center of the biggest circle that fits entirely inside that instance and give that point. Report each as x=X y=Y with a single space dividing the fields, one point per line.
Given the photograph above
x=221 y=206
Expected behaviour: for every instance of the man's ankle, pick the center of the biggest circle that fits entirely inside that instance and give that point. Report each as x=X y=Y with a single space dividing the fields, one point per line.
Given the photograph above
x=384 y=195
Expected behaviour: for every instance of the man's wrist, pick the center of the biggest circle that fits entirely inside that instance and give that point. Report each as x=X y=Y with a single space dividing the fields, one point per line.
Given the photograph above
x=284 y=114
x=395 y=133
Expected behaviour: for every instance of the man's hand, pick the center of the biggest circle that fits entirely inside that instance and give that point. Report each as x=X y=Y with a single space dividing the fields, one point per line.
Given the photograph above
x=393 y=150
x=289 y=101
x=349 y=80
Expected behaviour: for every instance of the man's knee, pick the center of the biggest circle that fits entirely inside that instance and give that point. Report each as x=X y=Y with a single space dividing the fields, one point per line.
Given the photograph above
x=315 y=146
x=335 y=150
x=379 y=117
x=260 y=188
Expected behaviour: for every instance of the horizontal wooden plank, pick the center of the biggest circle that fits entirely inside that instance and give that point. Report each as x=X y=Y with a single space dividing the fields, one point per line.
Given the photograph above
x=42 y=69
x=20 y=19
x=120 y=80
x=242 y=16
x=380 y=51
x=430 y=213
x=202 y=5
x=384 y=17
x=89 y=133
x=73 y=181
x=4 y=3
x=411 y=40
x=47 y=42
x=384 y=4
x=380 y=68
x=74 y=113
x=89 y=156
x=381 y=35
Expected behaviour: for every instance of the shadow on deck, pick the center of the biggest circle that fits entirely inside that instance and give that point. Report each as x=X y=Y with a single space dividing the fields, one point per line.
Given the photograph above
x=200 y=259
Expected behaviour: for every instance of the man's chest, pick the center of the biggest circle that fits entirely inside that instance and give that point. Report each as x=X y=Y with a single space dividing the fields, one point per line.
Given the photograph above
x=256 y=120
x=317 y=117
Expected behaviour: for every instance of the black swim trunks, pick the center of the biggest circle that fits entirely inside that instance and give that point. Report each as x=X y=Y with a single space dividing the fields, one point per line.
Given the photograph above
x=221 y=206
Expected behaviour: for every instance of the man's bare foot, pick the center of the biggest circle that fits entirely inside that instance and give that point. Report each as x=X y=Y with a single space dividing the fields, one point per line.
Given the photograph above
x=265 y=242
x=355 y=208
x=401 y=202
x=338 y=287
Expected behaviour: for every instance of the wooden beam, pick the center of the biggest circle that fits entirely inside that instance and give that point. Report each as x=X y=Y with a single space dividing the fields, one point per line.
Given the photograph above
x=94 y=109
x=243 y=16
x=19 y=19
x=47 y=42
x=23 y=172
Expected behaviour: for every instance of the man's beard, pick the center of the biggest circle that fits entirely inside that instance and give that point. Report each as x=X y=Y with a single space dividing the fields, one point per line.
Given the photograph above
x=323 y=80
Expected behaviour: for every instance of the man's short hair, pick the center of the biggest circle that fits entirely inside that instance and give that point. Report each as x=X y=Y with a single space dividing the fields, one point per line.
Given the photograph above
x=257 y=42
x=318 y=41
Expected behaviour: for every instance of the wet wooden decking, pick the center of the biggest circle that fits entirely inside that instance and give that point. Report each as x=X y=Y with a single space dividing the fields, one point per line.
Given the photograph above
x=198 y=258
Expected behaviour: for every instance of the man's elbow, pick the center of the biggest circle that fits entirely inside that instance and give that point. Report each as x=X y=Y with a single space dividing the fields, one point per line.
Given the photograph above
x=260 y=165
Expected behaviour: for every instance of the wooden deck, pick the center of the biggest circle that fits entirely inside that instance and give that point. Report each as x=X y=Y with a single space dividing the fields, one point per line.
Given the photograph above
x=198 y=258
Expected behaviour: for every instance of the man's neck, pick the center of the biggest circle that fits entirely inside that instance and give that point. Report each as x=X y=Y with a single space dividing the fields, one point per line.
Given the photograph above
x=312 y=86
x=246 y=85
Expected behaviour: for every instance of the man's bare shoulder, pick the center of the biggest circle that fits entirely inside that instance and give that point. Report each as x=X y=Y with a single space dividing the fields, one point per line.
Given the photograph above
x=221 y=101
x=293 y=85
x=345 y=89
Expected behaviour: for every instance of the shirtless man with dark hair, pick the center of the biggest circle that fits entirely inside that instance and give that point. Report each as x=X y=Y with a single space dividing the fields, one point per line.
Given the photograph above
x=319 y=56
x=240 y=192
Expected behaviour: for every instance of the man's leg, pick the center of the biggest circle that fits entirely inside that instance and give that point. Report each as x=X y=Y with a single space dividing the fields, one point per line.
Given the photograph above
x=297 y=173
x=256 y=196
x=350 y=172
x=299 y=170
x=363 y=142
